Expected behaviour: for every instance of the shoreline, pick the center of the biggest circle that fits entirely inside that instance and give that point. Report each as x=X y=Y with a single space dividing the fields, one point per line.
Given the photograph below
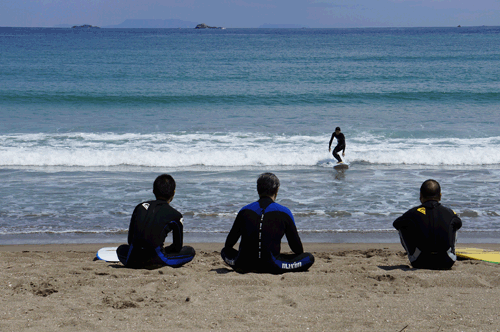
x=350 y=287
x=217 y=246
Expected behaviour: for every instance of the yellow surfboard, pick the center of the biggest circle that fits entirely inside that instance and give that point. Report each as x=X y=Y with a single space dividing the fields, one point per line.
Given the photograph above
x=479 y=254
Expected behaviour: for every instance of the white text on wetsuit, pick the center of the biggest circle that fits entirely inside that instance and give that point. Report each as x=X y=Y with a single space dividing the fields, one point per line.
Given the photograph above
x=289 y=266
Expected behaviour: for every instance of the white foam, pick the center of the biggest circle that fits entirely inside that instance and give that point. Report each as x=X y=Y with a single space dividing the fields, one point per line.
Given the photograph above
x=235 y=149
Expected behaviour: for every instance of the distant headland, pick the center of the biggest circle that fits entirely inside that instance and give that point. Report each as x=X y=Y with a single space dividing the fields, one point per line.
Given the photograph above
x=204 y=26
x=85 y=26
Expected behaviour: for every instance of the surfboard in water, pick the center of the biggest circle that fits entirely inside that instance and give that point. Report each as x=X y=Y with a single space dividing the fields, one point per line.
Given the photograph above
x=341 y=166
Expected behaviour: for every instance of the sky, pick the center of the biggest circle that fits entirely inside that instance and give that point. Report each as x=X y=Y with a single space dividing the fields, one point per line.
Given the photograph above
x=253 y=13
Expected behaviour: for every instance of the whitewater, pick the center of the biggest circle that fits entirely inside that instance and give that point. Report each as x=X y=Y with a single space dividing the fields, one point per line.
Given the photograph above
x=236 y=149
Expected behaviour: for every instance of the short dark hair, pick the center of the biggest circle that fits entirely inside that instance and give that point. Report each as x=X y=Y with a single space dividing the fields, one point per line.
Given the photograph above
x=338 y=128
x=267 y=184
x=164 y=186
x=430 y=189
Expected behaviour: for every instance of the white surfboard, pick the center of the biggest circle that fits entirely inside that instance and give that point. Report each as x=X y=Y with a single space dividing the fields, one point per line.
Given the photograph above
x=108 y=254
x=341 y=166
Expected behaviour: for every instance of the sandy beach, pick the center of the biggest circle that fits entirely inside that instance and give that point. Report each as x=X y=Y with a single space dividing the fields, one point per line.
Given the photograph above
x=351 y=287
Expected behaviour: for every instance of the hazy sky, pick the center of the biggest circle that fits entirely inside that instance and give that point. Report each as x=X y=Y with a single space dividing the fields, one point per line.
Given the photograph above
x=253 y=13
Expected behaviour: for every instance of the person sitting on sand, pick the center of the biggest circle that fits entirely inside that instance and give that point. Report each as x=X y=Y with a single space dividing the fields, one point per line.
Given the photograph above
x=340 y=144
x=261 y=226
x=150 y=224
x=428 y=231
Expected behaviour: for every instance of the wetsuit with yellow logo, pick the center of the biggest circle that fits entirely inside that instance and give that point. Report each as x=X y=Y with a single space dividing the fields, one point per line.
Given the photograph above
x=428 y=233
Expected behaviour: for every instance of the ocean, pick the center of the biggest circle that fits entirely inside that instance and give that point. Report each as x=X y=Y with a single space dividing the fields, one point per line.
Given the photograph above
x=89 y=118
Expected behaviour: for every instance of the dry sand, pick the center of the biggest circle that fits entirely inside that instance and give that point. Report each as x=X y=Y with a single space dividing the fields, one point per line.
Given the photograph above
x=351 y=287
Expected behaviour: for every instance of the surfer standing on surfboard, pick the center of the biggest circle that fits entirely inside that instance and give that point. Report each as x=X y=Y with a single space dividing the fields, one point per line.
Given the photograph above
x=340 y=144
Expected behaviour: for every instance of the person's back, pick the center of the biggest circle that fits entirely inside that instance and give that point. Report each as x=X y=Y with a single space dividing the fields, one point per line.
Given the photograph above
x=260 y=245
x=428 y=231
x=149 y=226
x=261 y=226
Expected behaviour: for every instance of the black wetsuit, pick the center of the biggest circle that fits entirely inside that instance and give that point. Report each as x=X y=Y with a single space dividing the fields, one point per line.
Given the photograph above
x=340 y=145
x=149 y=226
x=260 y=245
x=428 y=233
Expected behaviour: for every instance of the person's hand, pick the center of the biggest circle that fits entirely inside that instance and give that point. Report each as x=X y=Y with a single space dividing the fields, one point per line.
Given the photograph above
x=343 y=154
x=329 y=149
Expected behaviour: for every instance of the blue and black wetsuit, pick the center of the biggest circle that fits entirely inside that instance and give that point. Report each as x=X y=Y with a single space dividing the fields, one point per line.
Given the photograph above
x=149 y=226
x=261 y=226
x=428 y=233
x=340 y=145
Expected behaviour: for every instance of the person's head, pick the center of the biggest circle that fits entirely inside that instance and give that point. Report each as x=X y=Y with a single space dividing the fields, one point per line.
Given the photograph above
x=164 y=187
x=268 y=185
x=337 y=130
x=430 y=191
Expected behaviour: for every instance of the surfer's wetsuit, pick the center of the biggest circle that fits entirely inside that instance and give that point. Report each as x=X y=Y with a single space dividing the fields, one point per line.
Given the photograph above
x=261 y=226
x=149 y=226
x=340 y=145
x=428 y=233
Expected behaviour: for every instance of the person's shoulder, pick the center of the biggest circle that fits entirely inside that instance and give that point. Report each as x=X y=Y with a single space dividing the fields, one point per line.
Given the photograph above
x=144 y=206
x=174 y=210
x=408 y=217
x=448 y=209
x=280 y=208
x=165 y=205
x=252 y=206
x=414 y=210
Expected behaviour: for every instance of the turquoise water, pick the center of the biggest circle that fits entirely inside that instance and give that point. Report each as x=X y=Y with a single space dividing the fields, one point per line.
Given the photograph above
x=88 y=119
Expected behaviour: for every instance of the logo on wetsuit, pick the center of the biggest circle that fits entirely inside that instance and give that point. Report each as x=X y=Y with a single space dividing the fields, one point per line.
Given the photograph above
x=230 y=261
x=290 y=266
